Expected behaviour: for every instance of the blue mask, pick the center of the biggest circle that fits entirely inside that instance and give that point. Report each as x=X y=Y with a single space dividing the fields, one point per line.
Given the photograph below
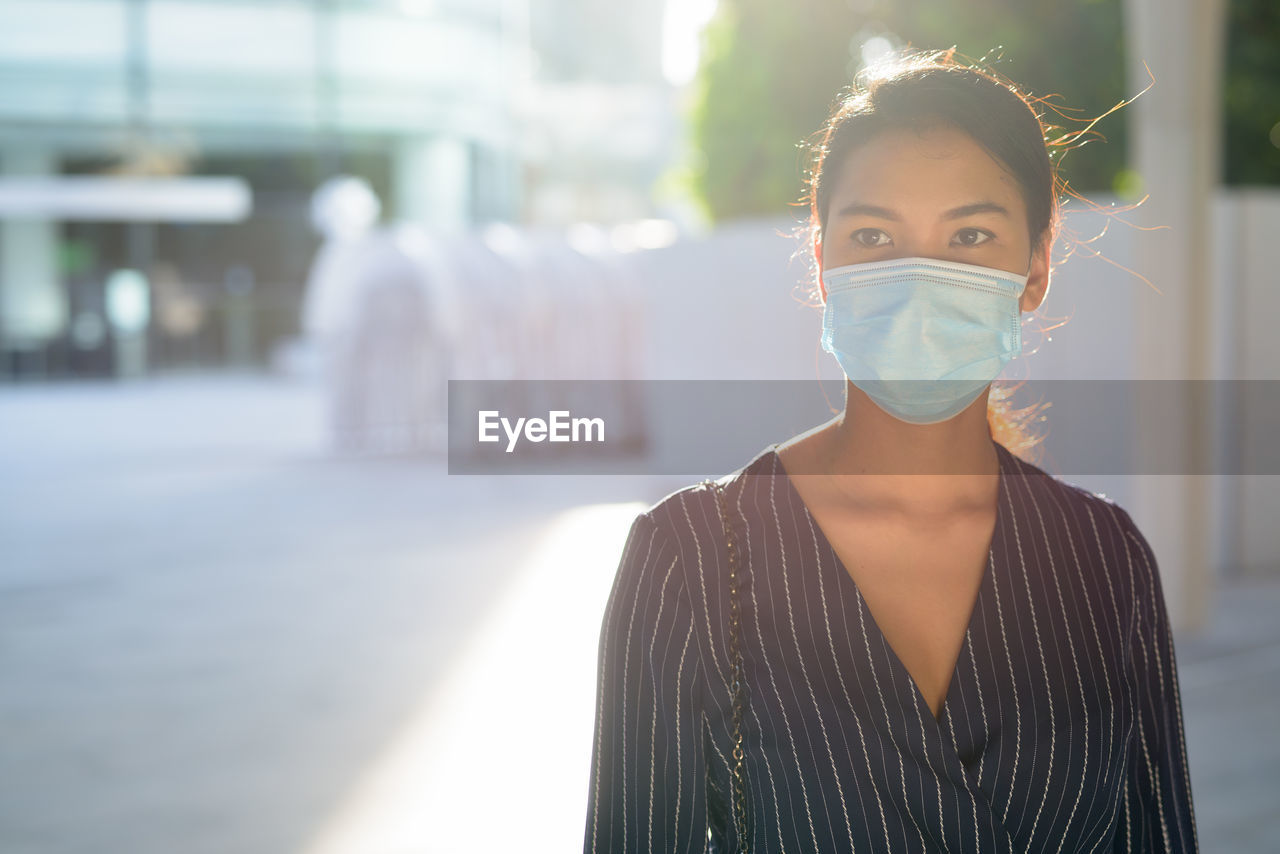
x=922 y=337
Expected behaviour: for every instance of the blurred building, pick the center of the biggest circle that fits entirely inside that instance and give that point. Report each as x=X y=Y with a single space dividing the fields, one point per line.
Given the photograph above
x=457 y=113
x=602 y=118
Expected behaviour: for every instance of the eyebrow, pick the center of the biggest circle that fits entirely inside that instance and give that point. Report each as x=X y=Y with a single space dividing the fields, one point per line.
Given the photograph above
x=856 y=208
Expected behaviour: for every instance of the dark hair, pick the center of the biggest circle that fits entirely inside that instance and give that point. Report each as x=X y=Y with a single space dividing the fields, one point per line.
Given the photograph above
x=915 y=90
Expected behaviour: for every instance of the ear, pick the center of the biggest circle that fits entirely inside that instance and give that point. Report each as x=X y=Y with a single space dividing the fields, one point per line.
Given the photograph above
x=1037 y=277
x=817 y=254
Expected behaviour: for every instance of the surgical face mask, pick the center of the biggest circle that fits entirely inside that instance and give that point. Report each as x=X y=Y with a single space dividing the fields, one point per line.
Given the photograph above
x=922 y=337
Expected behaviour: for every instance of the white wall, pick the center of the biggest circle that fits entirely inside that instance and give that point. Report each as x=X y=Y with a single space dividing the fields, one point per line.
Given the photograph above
x=1247 y=261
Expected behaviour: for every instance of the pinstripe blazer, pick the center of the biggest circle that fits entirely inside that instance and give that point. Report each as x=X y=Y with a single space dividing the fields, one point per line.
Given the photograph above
x=1061 y=730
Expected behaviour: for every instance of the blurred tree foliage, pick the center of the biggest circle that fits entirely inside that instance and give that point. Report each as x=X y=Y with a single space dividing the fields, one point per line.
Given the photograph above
x=771 y=71
x=1251 y=143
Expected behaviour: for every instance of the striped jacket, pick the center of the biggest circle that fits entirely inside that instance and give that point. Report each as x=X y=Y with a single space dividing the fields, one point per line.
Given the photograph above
x=1061 y=730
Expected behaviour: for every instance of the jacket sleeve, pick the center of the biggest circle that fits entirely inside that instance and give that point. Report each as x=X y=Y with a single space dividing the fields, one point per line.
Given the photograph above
x=1156 y=812
x=647 y=779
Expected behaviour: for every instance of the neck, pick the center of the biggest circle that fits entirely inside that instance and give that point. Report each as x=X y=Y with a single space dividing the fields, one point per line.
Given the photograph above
x=876 y=459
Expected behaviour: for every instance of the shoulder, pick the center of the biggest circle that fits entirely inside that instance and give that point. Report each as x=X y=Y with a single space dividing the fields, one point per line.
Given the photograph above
x=1066 y=496
x=689 y=514
x=1094 y=522
x=687 y=523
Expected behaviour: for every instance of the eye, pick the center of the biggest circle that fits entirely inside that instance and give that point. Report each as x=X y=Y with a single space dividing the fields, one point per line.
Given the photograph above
x=973 y=236
x=865 y=236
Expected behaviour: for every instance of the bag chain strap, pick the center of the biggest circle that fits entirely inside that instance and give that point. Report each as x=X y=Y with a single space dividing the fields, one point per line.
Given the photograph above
x=735 y=662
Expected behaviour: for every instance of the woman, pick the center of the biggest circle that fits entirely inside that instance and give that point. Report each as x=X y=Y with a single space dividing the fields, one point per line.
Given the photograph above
x=942 y=647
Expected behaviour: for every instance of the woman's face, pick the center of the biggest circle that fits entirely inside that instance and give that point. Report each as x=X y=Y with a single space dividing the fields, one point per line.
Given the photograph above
x=933 y=194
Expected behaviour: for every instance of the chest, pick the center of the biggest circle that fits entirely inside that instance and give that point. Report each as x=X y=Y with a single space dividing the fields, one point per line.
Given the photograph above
x=840 y=609
x=920 y=582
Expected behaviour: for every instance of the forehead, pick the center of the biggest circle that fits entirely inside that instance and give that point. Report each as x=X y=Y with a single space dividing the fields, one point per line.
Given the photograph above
x=937 y=168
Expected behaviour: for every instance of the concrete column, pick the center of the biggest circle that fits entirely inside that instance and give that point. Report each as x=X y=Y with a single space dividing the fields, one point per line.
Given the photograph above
x=1175 y=138
x=433 y=182
x=33 y=304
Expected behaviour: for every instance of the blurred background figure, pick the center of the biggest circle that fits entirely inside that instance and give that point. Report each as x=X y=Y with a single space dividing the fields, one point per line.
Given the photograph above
x=390 y=314
x=245 y=246
x=368 y=319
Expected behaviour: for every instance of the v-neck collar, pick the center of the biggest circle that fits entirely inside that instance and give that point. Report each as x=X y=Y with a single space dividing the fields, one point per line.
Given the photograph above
x=954 y=687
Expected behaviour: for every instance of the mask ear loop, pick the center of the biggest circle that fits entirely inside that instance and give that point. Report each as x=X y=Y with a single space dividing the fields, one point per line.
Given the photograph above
x=1031 y=257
